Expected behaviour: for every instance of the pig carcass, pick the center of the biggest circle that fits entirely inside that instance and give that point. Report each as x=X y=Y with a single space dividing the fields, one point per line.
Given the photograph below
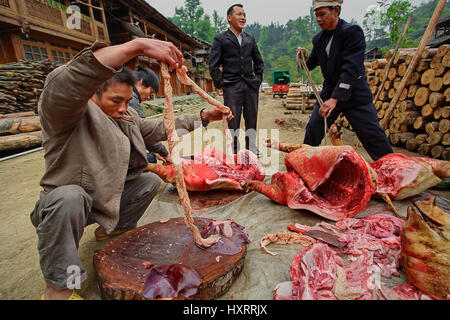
x=335 y=182
x=211 y=169
x=425 y=247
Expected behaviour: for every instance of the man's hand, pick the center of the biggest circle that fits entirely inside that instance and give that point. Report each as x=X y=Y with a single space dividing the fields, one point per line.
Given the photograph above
x=164 y=51
x=215 y=113
x=165 y=160
x=328 y=107
x=299 y=51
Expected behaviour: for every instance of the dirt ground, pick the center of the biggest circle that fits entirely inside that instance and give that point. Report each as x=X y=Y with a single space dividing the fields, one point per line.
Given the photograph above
x=20 y=274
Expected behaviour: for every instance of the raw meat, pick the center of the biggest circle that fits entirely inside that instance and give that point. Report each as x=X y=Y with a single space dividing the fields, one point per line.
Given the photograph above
x=425 y=248
x=210 y=169
x=171 y=281
x=333 y=182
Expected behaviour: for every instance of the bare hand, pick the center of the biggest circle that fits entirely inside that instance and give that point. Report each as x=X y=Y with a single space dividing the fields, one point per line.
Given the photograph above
x=327 y=108
x=165 y=160
x=215 y=113
x=163 y=51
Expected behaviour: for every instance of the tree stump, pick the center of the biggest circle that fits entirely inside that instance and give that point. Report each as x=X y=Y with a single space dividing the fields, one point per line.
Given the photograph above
x=121 y=264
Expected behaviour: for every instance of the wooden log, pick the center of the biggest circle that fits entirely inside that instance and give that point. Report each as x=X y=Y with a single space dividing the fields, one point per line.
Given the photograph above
x=434 y=138
x=446 y=154
x=19 y=125
x=436 y=99
x=412 y=145
x=412 y=90
x=392 y=74
x=396 y=84
x=18 y=115
x=423 y=65
x=446 y=60
x=404 y=94
x=436 y=84
x=388 y=85
x=424 y=149
x=407 y=105
x=446 y=139
x=445 y=112
x=421 y=97
x=20 y=141
x=431 y=127
x=436 y=151
x=447 y=94
x=419 y=123
x=405 y=136
x=391 y=93
x=394 y=137
x=442 y=50
x=427 y=112
x=378 y=105
x=380 y=114
x=374 y=89
x=435 y=62
x=421 y=138
x=414 y=78
x=383 y=95
x=427 y=77
x=408 y=117
x=385 y=105
x=396 y=112
x=401 y=70
x=120 y=264
x=446 y=78
x=437 y=113
x=429 y=53
x=444 y=125
x=379 y=63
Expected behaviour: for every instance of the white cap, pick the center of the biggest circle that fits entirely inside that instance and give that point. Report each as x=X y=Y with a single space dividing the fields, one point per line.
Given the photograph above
x=326 y=3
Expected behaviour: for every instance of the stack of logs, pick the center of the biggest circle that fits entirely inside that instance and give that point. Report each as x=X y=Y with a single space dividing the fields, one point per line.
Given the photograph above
x=300 y=97
x=20 y=130
x=21 y=84
x=421 y=118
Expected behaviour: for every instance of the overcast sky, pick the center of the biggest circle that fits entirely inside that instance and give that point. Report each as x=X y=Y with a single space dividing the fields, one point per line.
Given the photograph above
x=267 y=11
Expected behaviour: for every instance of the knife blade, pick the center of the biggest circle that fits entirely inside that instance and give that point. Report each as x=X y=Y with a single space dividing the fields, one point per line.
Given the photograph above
x=326 y=237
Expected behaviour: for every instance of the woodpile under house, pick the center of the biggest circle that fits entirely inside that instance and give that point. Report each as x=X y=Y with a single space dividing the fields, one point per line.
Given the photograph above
x=421 y=119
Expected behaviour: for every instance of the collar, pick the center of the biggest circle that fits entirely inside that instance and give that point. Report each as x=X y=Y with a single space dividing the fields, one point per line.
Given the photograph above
x=137 y=94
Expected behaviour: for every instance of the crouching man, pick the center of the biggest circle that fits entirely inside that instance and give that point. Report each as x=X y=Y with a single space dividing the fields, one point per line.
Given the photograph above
x=95 y=154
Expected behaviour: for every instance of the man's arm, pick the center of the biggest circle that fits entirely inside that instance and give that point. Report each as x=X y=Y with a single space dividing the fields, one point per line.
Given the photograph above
x=353 y=46
x=215 y=61
x=258 y=63
x=116 y=56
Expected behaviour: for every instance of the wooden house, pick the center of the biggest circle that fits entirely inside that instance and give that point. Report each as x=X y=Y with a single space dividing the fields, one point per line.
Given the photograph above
x=58 y=29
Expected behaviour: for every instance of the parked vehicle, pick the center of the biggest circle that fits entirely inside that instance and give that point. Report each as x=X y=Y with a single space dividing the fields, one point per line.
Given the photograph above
x=264 y=86
x=280 y=82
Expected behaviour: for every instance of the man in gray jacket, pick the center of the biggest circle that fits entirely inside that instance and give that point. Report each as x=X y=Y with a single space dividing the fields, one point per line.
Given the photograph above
x=95 y=154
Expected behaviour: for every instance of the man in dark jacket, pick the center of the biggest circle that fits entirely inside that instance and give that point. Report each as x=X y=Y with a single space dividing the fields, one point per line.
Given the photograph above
x=339 y=50
x=242 y=70
x=147 y=82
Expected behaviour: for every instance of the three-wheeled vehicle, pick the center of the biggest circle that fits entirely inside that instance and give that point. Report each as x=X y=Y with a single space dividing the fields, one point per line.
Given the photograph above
x=280 y=83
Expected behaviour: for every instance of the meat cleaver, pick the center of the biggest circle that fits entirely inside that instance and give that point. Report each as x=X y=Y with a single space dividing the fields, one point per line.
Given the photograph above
x=326 y=237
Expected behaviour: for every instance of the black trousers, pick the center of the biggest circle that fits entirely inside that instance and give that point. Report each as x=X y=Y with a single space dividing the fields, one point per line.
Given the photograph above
x=242 y=99
x=364 y=121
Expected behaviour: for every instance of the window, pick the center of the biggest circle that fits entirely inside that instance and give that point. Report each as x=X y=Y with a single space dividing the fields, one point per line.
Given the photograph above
x=39 y=50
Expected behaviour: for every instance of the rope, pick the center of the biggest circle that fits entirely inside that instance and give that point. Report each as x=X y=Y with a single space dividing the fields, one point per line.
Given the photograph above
x=184 y=79
x=303 y=65
x=172 y=139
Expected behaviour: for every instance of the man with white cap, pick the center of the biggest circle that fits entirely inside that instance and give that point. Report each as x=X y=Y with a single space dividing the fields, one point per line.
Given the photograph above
x=339 y=50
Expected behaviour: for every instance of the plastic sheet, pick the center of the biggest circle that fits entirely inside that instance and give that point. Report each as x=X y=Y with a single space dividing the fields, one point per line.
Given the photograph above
x=260 y=216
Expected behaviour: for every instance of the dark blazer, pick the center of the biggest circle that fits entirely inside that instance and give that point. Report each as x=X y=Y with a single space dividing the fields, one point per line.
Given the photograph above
x=238 y=61
x=343 y=71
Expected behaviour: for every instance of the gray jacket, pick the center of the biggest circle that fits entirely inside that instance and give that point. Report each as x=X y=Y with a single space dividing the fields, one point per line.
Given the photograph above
x=83 y=146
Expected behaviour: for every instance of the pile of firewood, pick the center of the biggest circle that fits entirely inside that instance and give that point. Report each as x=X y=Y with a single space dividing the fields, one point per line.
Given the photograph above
x=21 y=84
x=300 y=97
x=20 y=130
x=421 y=118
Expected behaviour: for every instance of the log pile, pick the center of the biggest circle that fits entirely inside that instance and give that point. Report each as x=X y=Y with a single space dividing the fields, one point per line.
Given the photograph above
x=421 y=118
x=300 y=97
x=21 y=84
x=19 y=130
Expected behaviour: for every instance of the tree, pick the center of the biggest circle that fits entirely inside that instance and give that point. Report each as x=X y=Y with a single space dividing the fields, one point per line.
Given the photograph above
x=220 y=24
x=192 y=19
x=394 y=15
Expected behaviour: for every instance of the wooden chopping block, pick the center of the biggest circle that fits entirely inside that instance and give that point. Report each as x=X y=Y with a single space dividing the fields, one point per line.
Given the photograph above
x=121 y=264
